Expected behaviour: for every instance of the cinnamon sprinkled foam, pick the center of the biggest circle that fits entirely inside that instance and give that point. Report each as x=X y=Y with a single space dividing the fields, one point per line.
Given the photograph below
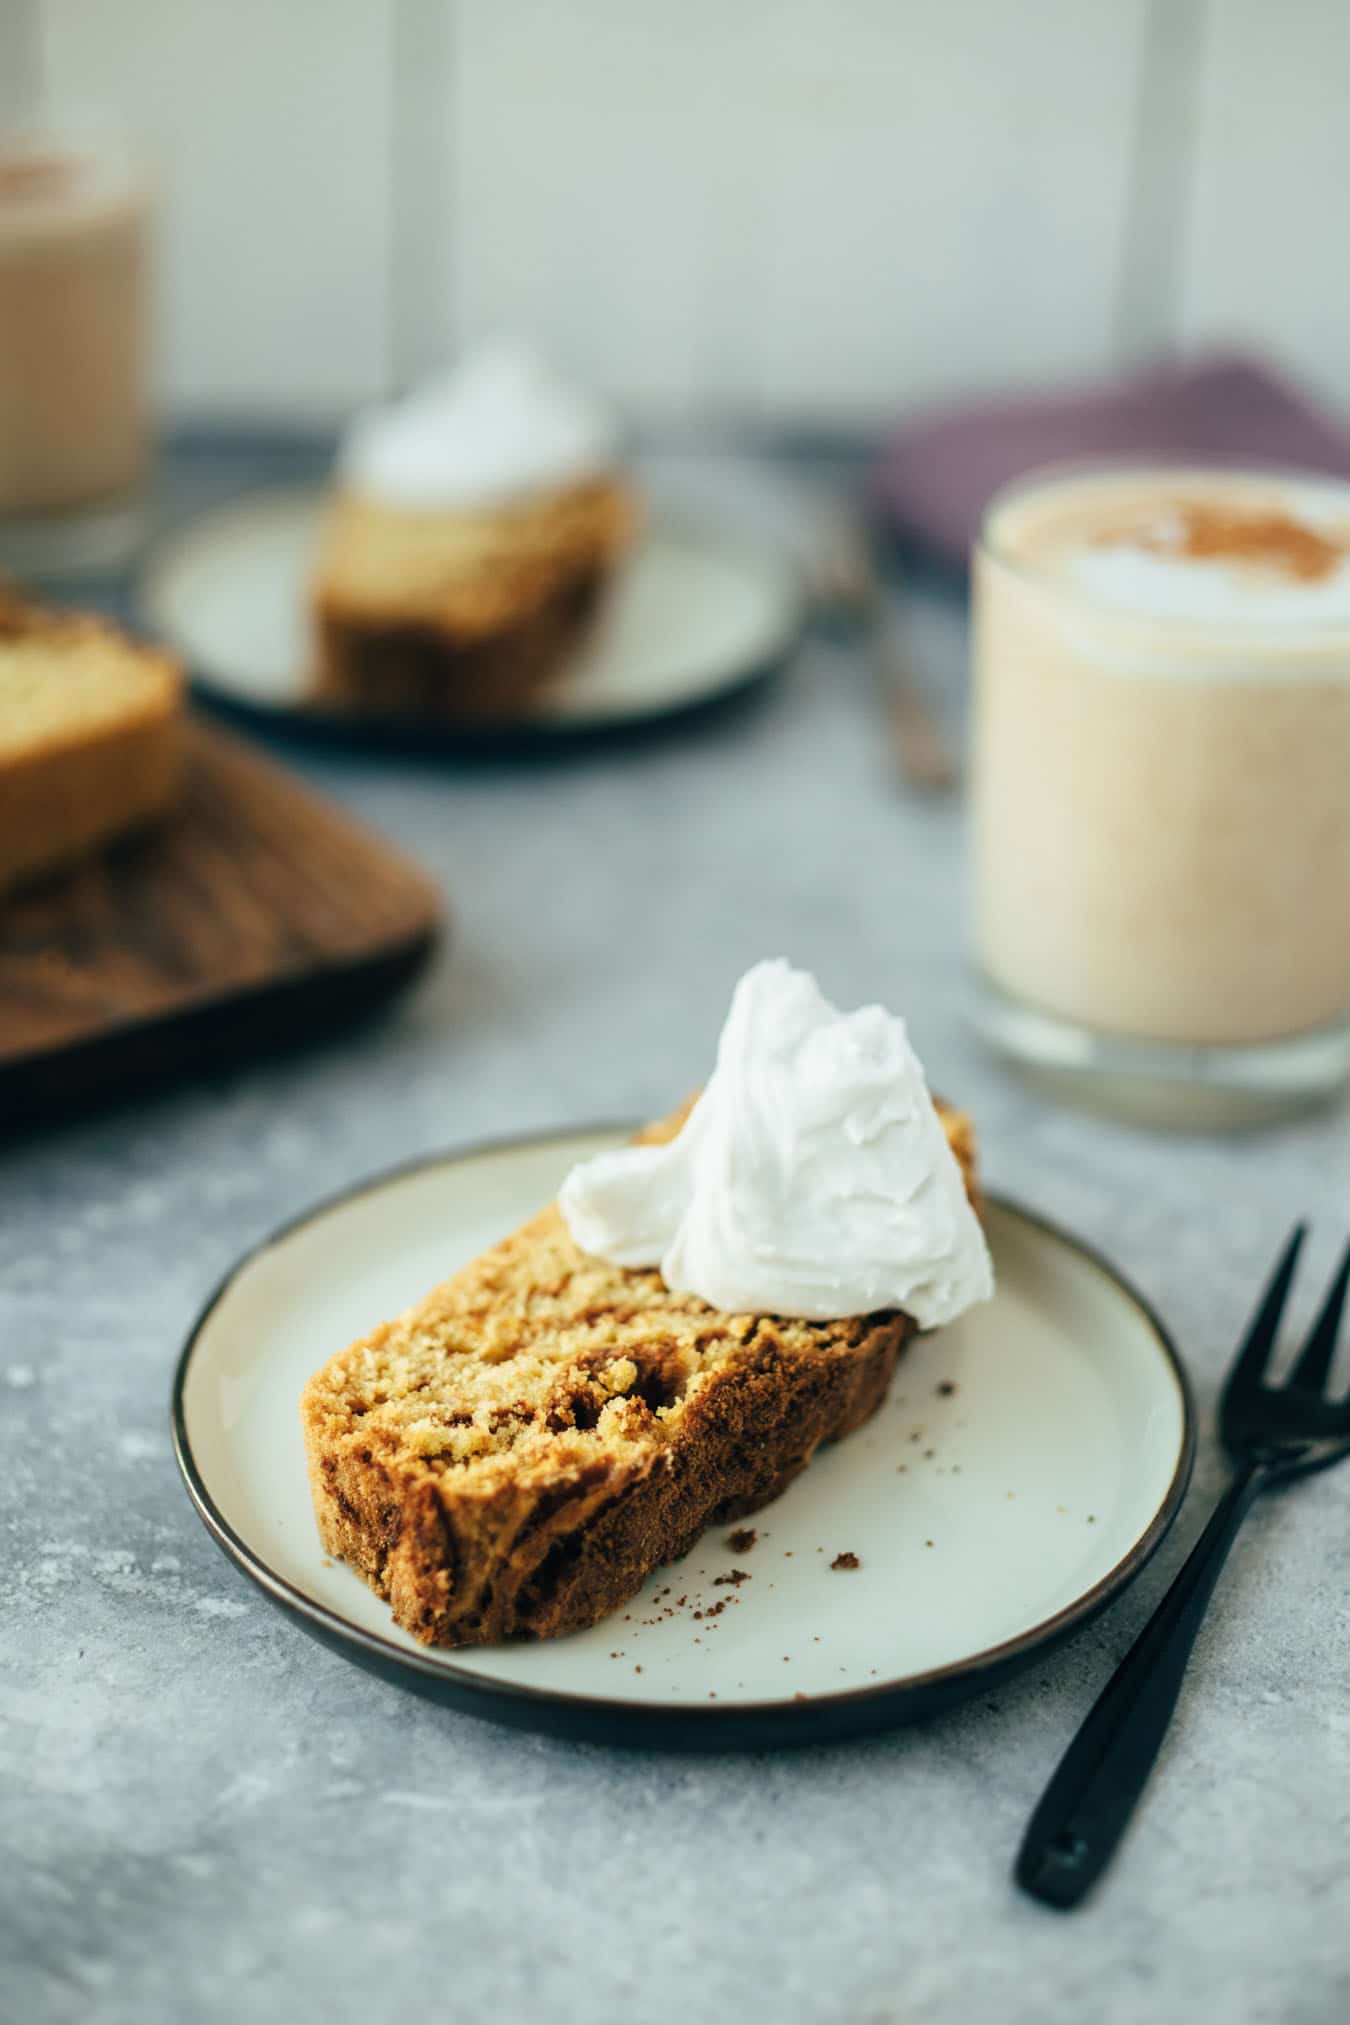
x=1210 y=547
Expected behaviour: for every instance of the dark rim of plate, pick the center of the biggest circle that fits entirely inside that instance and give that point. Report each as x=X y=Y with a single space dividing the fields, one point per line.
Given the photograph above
x=783 y=1719
x=396 y=735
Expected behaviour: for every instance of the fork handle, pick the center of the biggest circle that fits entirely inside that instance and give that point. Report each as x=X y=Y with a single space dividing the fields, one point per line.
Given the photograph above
x=1074 y=1832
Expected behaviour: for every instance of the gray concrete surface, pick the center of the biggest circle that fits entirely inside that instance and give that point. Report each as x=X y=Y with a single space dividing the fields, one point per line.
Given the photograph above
x=205 y=1816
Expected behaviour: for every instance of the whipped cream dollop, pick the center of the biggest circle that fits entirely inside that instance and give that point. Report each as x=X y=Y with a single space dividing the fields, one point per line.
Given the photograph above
x=811 y=1178
x=497 y=426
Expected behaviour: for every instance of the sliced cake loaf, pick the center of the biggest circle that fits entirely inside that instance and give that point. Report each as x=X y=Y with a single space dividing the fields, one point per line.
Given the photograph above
x=89 y=736
x=514 y=1455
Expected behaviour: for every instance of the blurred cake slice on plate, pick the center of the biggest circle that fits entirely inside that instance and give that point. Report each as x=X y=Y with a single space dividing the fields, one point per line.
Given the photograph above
x=472 y=529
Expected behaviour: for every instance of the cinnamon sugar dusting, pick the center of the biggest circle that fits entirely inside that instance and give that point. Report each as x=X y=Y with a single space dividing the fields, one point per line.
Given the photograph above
x=1204 y=531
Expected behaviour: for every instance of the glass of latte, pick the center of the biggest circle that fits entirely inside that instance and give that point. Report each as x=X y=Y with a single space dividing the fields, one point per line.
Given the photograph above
x=1161 y=787
x=74 y=262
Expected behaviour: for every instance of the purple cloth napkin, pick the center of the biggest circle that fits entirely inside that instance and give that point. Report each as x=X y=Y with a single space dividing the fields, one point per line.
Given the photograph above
x=938 y=472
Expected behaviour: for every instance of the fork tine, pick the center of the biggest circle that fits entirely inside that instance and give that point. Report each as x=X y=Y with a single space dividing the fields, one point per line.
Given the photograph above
x=1259 y=1341
x=1314 y=1359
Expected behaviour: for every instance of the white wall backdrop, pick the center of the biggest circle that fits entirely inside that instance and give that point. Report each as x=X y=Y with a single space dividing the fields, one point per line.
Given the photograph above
x=1265 y=253
x=795 y=203
x=270 y=123
x=818 y=208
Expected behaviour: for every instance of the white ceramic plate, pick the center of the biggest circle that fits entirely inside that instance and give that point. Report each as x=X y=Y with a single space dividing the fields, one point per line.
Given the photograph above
x=690 y=618
x=987 y=1519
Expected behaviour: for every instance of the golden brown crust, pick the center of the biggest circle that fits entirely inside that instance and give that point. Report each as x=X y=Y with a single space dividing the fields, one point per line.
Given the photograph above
x=513 y=1456
x=90 y=736
x=460 y=615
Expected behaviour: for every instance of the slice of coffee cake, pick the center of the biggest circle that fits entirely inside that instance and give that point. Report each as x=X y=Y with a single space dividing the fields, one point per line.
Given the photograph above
x=513 y=1456
x=458 y=615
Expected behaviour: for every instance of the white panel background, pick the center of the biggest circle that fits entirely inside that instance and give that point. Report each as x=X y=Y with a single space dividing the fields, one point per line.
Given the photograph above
x=795 y=204
x=1268 y=254
x=819 y=208
x=269 y=121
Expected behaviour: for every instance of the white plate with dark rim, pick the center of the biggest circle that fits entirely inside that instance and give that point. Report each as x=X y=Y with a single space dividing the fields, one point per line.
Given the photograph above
x=1027 y=1463
x=693 y=616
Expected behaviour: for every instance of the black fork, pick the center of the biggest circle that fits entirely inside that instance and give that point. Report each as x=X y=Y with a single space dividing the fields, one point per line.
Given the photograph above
x=1273 y=1433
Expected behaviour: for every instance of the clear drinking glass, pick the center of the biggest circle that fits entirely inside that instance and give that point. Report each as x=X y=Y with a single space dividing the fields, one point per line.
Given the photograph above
x=1161 y=787
x=75 y=215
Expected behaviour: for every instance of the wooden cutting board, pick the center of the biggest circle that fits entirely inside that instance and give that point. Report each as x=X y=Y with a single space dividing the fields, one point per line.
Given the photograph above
x=258 y=915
